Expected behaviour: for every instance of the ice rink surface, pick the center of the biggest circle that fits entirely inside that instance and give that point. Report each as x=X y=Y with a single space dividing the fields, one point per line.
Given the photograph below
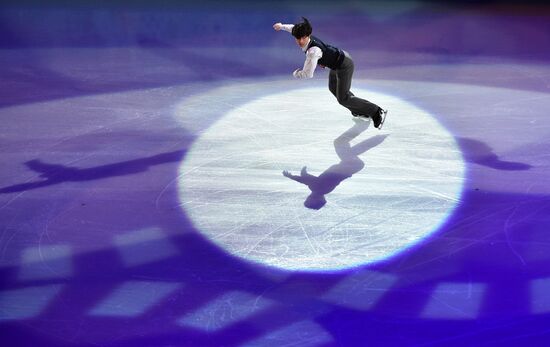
x=166 y=182
x=386 y=190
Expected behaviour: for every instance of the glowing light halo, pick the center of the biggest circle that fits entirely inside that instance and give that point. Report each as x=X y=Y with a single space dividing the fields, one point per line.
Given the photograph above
x=232 y=188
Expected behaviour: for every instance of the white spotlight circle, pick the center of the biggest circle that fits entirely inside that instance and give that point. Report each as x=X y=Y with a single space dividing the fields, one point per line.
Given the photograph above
x=405 y=180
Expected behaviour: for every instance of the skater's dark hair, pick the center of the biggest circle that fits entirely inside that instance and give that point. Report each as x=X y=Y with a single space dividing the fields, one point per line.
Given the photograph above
x=302 y=29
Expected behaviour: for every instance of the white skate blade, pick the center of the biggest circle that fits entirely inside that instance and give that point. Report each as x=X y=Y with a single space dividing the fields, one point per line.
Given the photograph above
x=384 y=113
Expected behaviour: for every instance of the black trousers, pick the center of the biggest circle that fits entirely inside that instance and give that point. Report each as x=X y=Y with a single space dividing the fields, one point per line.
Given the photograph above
x=339 y=84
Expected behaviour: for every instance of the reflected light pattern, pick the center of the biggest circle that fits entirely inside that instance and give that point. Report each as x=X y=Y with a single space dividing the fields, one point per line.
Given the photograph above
x=144 y=246
x=133 y=298
x=455 y=301
x=27 y=302
x=46 y=262
x=228 y=309
x=540 y=298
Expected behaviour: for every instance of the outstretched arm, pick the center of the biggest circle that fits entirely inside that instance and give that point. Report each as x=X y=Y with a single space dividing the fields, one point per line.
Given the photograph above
x=285 y=27
x=294 y=177
x=304 y=178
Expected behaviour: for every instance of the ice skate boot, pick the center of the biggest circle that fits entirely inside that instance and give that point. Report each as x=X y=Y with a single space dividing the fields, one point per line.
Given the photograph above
x=379 y=118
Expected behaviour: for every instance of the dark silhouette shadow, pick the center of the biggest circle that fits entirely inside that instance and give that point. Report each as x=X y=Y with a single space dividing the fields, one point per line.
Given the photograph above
x=480 y=153
x=349 y=164
x=55 y=174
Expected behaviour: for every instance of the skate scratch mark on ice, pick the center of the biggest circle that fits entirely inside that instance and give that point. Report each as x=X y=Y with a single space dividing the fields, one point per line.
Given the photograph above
x=518 y=100
x=508 y=224
x=241 y=226
x=507 y=234
x=195 y=168
x=450 y=307
x=231 y=231
x=248 y=112
x=17 y=195
x=8 y=241
x=376 y=224
x=34 y=178
x=251 y=249
x=191 y=170
x=434 y=193
x=381 y=223
x=305 y=233
x=253 y=136
x=266 y=236
x=259 y=144
x=45 y=233
x=448 y=253
x=340 y=223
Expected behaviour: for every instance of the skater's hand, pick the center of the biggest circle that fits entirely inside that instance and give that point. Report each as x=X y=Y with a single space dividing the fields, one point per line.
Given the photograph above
x=277 y=26
x=286 y=173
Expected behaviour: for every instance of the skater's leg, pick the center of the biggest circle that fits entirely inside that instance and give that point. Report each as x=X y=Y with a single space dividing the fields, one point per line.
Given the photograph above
x=333 y=84
x=332 y=81
x=346 y=98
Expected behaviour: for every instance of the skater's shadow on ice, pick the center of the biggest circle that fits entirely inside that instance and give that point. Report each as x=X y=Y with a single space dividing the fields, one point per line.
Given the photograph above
x=349 y=164
x=480 y=153
x=55 y=174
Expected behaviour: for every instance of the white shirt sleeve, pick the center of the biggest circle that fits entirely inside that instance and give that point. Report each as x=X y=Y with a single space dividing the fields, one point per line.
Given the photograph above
x=312 y=56
x=287 y=27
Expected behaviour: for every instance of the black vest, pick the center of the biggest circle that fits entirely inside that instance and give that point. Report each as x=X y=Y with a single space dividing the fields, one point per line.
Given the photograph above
x=332 y=56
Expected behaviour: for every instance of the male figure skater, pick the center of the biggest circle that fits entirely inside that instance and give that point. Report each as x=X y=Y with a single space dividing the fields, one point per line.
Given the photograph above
x=341 y=71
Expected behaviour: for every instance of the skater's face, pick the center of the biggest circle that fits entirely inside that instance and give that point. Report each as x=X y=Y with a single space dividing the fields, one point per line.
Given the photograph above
x=302 y=41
